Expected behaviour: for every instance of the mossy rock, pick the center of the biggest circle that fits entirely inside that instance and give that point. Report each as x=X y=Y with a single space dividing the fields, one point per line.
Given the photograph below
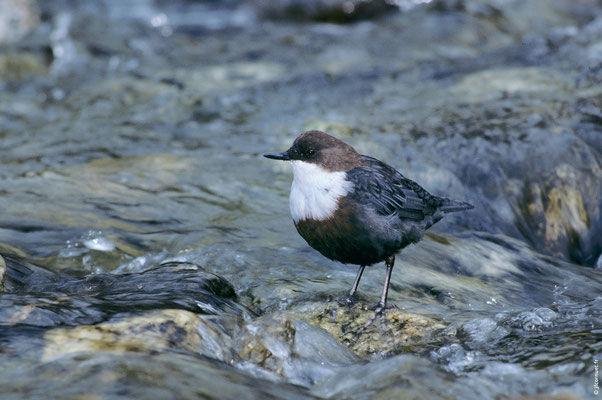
x=398 y=332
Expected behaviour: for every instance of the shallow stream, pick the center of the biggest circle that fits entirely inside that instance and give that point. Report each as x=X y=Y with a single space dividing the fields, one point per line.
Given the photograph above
x=148 y=250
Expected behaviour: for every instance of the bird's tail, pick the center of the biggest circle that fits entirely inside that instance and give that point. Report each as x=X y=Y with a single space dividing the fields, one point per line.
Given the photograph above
x=449 y=206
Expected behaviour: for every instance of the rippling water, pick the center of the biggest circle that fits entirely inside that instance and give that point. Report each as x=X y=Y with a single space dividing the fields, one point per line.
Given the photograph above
x=125 y=148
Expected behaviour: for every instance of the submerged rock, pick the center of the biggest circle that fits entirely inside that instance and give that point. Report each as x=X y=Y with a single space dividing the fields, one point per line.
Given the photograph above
x=277 y=346
x=138 y=375
x=40 y=298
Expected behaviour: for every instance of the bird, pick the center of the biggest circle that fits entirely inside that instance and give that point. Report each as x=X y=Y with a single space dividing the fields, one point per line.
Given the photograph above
x=354 y=208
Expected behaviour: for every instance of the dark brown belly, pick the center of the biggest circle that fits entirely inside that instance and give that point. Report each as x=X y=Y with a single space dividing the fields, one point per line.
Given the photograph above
x=347 y=238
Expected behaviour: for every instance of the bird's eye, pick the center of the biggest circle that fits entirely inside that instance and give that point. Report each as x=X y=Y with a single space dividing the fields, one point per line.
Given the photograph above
x=311 y=152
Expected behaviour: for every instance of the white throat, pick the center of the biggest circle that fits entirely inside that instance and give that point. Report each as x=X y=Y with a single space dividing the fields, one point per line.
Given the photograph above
x=315 y=192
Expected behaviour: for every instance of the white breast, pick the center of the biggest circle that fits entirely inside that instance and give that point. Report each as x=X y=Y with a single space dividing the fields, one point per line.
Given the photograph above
x=315 y=191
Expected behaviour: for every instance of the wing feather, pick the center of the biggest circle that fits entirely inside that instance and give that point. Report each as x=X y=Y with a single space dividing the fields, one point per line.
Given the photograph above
x=383 y=188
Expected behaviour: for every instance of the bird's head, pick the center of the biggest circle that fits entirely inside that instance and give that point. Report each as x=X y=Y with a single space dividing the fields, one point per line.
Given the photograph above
x=321 y=149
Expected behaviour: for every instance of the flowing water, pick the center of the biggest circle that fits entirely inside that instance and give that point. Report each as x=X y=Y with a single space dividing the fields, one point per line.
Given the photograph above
x=148 y=250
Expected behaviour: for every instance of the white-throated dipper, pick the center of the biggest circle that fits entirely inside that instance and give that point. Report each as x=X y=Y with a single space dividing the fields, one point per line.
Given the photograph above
x=356 y=209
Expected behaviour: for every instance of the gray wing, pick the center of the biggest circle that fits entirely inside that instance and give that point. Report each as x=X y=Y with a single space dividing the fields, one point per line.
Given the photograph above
x=383 y=188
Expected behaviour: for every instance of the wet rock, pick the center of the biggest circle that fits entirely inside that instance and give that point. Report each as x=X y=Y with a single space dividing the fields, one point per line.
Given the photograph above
x=20 y=273
x=401 y=376
x=15 y=66
x=273 y=347
x=281 y=346
x=40 y=298
x=17 y=18
x=333 y=11
x=482 y=332
x=43 y=310
x=140 y=375
x=454 y=358
x=268 y=343
x=400 y=332
x=540 y=318
x=557 y=213
x=144 y=142
x=524 y=185
x=155 y=331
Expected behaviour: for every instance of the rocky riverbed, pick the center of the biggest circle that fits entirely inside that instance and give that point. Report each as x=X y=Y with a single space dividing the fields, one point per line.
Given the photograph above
x=147 y=248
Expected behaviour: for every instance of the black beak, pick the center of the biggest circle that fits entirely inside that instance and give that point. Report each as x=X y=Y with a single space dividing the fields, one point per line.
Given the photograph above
x=278 y=156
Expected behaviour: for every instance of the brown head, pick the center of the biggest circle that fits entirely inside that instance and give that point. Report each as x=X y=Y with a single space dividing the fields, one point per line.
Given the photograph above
x=320 y=148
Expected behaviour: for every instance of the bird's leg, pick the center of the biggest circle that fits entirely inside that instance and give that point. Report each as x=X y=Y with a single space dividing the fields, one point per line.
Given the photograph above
x=382 y=304
x=356 y=283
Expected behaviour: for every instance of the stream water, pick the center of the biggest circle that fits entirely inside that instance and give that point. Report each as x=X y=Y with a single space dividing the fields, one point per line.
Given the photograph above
x=147 y=247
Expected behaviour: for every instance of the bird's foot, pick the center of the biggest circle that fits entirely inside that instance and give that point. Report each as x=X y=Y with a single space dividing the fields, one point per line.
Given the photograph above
x=379 y=311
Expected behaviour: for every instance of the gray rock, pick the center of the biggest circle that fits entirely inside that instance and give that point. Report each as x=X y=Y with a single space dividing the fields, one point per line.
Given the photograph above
x=17 y=18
